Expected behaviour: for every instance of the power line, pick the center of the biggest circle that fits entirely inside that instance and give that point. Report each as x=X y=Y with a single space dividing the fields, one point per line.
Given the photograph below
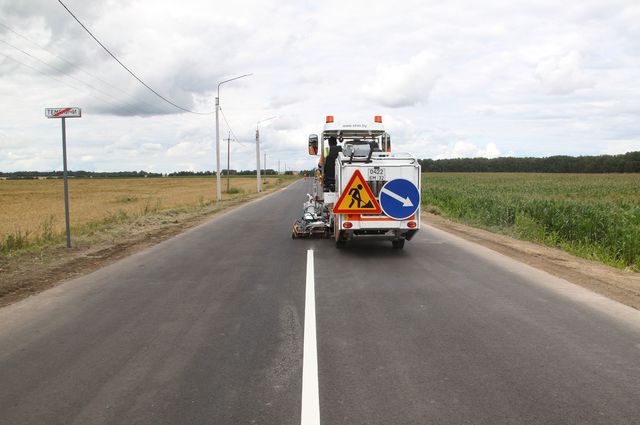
x=62 y=82
x=229 y=127
x=127 y=69
x=73 y=65
x=65 y=73
x=62 y=59
x=41 y=72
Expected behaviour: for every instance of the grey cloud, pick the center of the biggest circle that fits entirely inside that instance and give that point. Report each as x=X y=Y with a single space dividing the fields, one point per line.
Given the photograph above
x=439 y=72
x=189 y=73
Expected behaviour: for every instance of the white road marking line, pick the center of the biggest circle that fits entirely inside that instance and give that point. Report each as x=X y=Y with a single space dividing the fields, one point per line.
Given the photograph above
x=310 y=392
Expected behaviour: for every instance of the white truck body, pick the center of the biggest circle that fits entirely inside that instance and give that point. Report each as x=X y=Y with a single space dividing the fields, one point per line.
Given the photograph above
x=365 y=148
x=393 y=166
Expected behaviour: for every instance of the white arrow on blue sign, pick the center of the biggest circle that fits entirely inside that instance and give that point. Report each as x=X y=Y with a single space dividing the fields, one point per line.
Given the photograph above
x=399 y=199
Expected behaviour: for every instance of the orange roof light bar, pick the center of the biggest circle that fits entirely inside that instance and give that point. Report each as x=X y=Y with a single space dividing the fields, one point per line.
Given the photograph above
x=378 y=118
x=329 y=118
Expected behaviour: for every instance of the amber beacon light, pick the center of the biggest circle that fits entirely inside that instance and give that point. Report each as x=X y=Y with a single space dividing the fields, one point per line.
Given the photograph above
x=329 y=118
x=378 y=118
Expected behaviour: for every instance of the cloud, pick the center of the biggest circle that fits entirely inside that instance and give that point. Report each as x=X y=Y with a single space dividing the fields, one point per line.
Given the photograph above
x=280 y=100
x=286 y=122
x=448 y=77
x=406 y=84
x=152 y=146
x=615 y=147
x=562 y=75
x=182 y=150
x=462 y=149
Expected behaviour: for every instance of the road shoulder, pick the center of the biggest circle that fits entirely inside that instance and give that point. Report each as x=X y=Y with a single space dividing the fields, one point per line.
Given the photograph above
x=30 y=273
x=619 y=285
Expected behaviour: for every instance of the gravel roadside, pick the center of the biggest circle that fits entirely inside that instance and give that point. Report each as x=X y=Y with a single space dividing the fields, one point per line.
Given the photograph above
x=619 y=285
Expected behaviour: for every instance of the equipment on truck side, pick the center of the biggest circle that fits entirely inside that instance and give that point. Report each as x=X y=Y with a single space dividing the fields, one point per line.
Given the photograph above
x=313 y=223
x=361 y=189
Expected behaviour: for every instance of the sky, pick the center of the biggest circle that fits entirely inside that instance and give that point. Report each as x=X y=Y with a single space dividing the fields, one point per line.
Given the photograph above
x=451 y=79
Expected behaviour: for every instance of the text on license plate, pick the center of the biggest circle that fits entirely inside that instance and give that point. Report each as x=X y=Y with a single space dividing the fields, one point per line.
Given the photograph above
x=376 y=174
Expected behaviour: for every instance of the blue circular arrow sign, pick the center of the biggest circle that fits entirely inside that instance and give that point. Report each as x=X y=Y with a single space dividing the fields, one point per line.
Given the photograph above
x=399 y=199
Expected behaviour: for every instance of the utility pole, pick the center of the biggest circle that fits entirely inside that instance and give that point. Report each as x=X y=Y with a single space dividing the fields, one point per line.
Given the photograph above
x=259 y=182
x=228 y=159
x=278 y=166
x=265 y=163
x=218 y=181
x=258 y=159
x=218 y=190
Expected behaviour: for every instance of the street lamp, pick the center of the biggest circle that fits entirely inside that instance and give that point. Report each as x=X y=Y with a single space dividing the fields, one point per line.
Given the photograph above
x=218 y=181
x=258 y=151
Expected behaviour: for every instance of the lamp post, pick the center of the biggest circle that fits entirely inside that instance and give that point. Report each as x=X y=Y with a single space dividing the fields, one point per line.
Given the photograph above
x=218 y=181
x=259 y=182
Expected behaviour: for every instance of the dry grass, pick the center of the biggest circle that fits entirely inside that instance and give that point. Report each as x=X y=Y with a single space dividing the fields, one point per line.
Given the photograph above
x=33 y=210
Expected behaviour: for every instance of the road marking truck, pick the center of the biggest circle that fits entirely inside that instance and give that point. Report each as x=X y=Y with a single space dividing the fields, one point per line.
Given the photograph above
x=361 y=188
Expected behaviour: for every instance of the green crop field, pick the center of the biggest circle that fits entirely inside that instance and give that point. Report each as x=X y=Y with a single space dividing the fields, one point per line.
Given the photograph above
x=595 y=216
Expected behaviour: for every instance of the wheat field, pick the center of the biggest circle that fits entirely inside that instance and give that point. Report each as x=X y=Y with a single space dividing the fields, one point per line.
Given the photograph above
x=33 y=209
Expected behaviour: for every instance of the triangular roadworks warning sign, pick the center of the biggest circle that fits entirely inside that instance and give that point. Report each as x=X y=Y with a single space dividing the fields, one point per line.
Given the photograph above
x=357 y=198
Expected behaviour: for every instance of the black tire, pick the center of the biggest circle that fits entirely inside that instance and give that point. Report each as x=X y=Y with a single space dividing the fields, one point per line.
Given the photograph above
x=398 y=244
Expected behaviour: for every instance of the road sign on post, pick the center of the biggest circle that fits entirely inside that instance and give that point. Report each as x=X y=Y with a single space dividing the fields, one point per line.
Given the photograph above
x=64 y=113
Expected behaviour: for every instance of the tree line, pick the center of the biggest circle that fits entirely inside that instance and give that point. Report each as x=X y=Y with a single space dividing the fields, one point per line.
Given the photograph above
x=624 y=163
x=129 y=174
x=79 y=173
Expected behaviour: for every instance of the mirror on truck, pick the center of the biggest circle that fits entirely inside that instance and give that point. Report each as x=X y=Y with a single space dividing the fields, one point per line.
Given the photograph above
x=386 y=143
x=313 y=144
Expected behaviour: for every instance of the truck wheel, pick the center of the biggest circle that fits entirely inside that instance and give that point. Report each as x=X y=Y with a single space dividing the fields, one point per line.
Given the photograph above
x=398 y=244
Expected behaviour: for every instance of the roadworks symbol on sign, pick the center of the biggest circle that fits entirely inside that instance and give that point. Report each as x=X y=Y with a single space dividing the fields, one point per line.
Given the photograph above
x=357 y=198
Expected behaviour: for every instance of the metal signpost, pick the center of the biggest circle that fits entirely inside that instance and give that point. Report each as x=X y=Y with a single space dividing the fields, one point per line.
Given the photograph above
x=64 y=113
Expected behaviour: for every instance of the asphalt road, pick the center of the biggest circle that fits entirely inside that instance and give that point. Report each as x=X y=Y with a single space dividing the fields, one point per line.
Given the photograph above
x=207 y=328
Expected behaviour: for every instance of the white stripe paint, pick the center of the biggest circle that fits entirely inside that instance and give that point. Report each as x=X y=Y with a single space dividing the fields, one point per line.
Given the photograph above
x=310 y=393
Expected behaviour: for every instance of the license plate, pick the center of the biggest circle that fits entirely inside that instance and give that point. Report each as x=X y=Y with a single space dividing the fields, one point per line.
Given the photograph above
x=376 y=174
